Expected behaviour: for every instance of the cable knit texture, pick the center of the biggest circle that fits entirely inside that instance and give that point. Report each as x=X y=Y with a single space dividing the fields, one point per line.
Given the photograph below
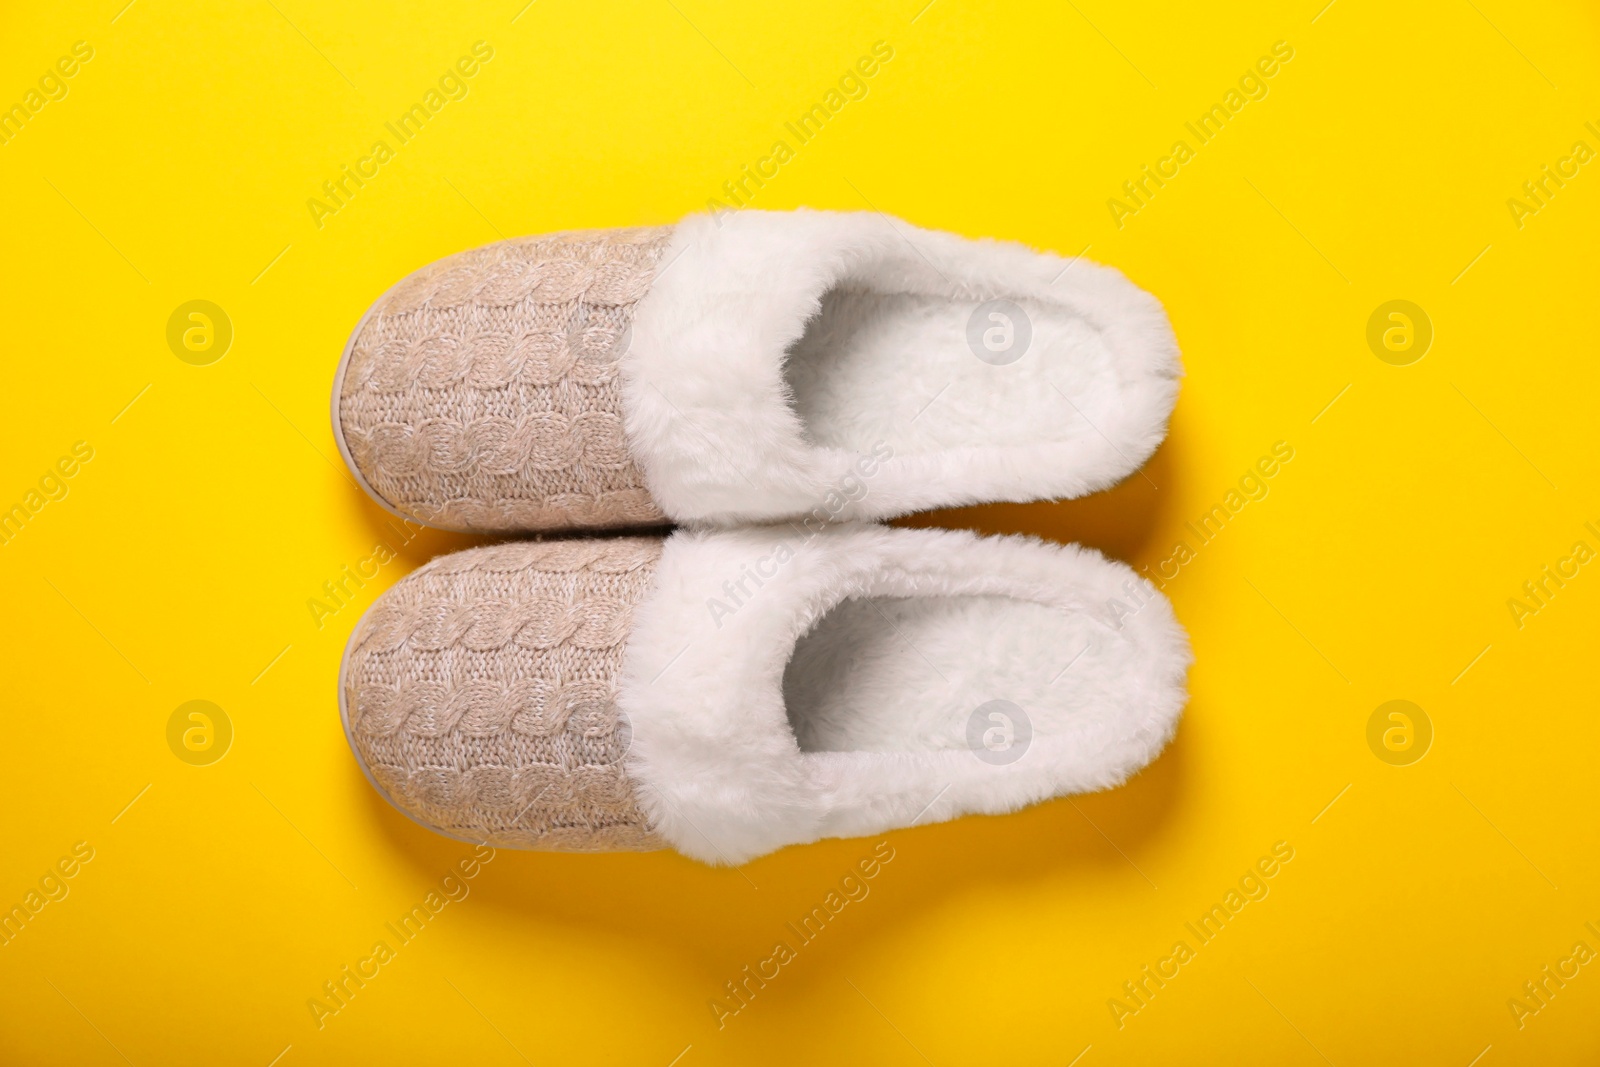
x=481 y=393
x=480 y=693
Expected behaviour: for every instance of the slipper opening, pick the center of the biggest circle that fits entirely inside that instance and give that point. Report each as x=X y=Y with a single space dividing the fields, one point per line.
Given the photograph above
x=928 y=373
x=991 y=674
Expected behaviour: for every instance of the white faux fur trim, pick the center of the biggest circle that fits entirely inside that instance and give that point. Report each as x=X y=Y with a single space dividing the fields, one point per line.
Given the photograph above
x=716 y=761
x=712 y=420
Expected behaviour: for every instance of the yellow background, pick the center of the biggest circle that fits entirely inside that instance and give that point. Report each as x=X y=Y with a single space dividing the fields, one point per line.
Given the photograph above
x=179 y=565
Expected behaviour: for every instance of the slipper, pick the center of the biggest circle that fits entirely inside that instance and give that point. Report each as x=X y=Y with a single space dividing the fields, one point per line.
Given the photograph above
x=748 y=367
x=728 y=693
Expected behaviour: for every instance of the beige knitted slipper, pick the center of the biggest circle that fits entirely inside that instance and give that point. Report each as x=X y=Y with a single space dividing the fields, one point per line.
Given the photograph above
x=479 y=693
x=749 y=367
x=481 y=393
x=727 y=693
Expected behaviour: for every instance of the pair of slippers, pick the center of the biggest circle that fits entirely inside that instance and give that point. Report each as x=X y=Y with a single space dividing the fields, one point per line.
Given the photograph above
x=777 y=669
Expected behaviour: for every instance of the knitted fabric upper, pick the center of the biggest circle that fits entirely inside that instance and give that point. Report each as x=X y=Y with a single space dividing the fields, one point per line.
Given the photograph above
x=481 y=693
x=481 y=393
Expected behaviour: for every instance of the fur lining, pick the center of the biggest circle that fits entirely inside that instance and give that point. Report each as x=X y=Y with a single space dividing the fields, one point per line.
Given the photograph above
x=717 y=764
x=741 y=404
